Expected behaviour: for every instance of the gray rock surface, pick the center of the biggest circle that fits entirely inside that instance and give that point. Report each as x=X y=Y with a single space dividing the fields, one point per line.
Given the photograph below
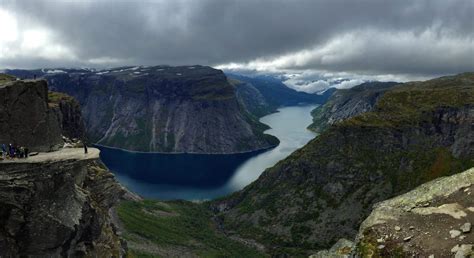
x=58 y=204
x=341 y=249
x=437 y=225
x=25 y=117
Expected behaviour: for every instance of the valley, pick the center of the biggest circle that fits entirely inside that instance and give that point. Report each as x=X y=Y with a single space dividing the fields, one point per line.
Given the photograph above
x=314 y=192
x=167 y=176
x=236 y=129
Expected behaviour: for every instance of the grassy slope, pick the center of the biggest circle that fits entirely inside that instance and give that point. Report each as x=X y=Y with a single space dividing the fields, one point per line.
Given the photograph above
x=6 y=78
x=181 y=226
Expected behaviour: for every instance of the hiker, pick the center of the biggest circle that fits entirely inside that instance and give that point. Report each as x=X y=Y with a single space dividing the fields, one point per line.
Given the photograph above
x=4 y=151
x=11 y=151
x=85 y=147
x=22 y=152
x=26 y=152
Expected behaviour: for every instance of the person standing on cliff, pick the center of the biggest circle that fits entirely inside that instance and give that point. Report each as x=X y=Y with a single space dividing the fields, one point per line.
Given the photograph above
x=4 y=151
x=11 y=151
x=85 y=146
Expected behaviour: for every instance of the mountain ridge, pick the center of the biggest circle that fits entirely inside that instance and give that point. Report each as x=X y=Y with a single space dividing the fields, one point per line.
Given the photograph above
x=187 y=109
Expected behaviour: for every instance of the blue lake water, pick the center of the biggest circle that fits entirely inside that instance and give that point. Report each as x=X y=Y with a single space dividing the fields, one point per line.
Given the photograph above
x=203 y=176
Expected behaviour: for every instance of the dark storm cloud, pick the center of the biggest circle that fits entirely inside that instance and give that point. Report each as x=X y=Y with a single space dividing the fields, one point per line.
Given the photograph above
x=369 y=36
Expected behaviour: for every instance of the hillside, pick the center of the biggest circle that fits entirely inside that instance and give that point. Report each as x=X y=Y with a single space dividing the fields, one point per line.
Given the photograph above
x=190 y=109
x=346 y=103
x=321 y=193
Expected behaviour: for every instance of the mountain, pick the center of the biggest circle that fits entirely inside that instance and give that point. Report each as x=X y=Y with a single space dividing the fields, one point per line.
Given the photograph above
x=346 y=103
x=322 y=192
x=187 y=109
x=262 y=95
x=58 y=203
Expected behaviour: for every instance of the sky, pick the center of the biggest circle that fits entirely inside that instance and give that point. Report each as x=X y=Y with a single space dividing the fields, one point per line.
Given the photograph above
x=313 y=44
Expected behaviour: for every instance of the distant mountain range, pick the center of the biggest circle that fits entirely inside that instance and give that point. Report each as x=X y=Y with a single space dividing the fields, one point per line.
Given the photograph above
x=264 y=94
x=187 y=109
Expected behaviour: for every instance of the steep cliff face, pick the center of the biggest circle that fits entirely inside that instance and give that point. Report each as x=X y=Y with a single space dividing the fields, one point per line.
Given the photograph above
x=322 y=192
x=57 y=204
x=162 y=109
x=346 y=103
x=25 y=118
x=251 y=99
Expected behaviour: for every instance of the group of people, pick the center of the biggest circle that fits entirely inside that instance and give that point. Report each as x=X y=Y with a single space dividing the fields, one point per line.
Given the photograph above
x=11 y=151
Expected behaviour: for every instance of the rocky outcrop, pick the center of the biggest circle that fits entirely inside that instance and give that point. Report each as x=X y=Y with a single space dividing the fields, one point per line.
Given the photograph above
x=57 y=204
x=322 y=192
x=68 y=112
x=25 y=117
x=189 y=109
x=346 y=103
x=434 y=219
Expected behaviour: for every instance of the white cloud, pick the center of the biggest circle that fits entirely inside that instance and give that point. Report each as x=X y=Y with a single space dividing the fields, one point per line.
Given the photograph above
x=8 y=27
x=370 y=55
x=371 y=51
x=32 y=43
x=105 y=61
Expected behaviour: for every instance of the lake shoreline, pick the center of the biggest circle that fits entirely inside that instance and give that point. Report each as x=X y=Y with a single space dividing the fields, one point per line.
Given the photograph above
x=204 y=176
x=181 y=153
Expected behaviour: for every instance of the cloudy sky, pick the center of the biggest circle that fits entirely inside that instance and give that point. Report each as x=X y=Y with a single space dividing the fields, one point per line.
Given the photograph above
x=314 y=43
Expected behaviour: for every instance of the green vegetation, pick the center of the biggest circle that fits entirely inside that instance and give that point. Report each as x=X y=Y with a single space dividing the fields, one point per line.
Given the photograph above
x=6 y=78
x=368 y=247
x=54 y=98
x=155 y=229
x=211 y=89
x=319 y=123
